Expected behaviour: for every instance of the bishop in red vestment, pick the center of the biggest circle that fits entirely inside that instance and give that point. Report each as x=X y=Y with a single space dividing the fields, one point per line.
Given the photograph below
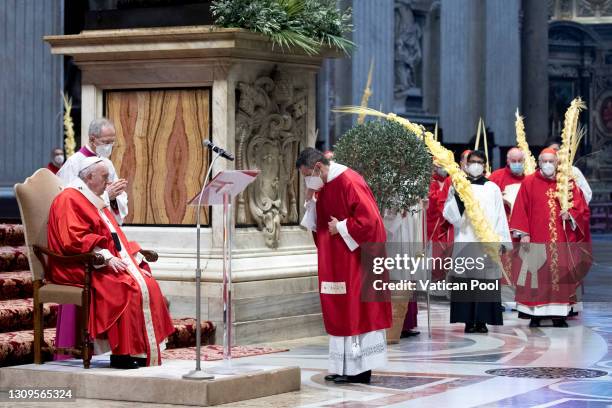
x=344 y=218
x=127 y=312
x=555 y=251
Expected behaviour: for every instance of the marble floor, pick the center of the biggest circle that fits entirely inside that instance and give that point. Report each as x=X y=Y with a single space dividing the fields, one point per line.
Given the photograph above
x=450 y=368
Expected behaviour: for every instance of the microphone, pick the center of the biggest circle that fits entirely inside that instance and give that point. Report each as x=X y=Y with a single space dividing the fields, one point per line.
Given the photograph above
x=217 y=149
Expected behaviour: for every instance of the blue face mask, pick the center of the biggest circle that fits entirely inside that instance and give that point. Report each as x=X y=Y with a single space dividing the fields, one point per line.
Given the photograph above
x=517 y=168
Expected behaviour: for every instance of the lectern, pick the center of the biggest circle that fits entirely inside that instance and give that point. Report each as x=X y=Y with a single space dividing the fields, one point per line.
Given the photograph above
x=220 y=191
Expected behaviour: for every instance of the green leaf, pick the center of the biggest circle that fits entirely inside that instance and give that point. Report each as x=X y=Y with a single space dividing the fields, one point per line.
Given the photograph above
x=395 y=163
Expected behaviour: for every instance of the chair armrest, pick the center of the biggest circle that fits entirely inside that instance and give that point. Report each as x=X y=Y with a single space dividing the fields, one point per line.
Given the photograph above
x=89 y=257
x=149 y=255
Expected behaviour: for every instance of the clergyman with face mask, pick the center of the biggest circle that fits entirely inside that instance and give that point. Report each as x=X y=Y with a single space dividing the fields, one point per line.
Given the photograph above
x=101 y=139
x=57 y=160
x=510 y=177
x=344 y=217
x=558 y=242
x=476 y=315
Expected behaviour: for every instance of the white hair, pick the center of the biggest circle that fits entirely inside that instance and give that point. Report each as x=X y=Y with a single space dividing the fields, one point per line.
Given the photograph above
x=97 y=125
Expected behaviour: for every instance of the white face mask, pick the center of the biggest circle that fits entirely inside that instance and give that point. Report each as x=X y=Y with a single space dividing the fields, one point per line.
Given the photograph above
x=475 y=169
x=58 y=159
x=548 y=169
x=104 y=150
x=314 y=182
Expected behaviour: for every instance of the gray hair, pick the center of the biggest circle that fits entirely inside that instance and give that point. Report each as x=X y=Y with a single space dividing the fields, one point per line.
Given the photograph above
x=87 y=171
x=97 y=125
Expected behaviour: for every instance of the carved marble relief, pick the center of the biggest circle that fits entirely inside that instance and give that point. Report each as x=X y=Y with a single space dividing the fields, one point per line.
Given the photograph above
x=271 y=120
x=570 y=9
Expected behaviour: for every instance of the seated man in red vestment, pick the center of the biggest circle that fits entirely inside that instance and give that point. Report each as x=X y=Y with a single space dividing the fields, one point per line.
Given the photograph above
x=128 y=314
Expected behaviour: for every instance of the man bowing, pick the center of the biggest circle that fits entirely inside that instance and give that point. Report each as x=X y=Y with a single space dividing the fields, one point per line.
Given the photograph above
x=344 y=217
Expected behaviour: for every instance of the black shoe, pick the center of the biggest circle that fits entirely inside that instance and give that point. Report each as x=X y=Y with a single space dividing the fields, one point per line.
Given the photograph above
x=534 y=322
x=572 y=313
x=481 y=328
x=362 y=378
x=141 y=361
x=332 y=377
x=469 y=328
x=122 y=361
x=560 y=323
x=409 y=333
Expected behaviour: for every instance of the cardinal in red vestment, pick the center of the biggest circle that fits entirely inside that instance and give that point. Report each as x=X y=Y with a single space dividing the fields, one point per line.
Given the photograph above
x=555 y=252
x=344 y=217
x=128 y=314
x=510 y=177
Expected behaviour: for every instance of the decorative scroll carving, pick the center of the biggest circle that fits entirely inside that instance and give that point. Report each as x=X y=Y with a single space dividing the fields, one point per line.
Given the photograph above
x=270 y=124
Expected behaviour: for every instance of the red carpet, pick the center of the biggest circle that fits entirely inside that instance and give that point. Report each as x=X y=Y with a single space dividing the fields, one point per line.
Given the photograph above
x=215 y=352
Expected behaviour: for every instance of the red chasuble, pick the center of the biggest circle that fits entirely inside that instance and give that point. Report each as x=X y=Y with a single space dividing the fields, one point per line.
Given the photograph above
x=439 y=231
x=563 y=257
x=133 y=320
x=504 y=177
x=348 y=197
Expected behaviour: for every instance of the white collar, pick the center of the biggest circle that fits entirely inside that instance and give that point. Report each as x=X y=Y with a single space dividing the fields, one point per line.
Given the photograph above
x=335 y=169
x=82 y=188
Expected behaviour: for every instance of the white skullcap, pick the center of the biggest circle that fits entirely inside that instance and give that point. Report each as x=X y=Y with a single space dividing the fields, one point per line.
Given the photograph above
x=88 y=161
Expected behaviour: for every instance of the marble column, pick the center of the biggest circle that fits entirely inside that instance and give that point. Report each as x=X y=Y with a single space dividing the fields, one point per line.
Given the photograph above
x=462 y=76
x=342 y=81
x=374 y=36
x=535 y=70
x=503 y=69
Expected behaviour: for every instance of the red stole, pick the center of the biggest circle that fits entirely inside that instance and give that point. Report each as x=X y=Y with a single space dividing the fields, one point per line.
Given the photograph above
x=116 y=309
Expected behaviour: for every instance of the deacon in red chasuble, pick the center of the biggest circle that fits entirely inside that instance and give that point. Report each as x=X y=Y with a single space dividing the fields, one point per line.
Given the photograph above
x=128 y=314
x=555 y=253
x=344 y=217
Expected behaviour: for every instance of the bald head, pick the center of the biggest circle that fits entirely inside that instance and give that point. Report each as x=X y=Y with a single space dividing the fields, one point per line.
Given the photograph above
x=515 y=154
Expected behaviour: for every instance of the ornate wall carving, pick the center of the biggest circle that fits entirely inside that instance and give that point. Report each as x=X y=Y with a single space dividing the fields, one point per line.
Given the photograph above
x=580 y=9
x=271 y=122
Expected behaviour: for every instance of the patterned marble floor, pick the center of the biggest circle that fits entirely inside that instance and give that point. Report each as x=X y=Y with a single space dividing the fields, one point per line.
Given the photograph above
x=450 y=369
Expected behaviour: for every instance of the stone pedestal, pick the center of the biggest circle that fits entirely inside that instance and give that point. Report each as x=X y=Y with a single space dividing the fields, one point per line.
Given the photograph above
x=263 y=108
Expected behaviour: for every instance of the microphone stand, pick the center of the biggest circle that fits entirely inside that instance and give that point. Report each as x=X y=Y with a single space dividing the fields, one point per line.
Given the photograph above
x=198 y=374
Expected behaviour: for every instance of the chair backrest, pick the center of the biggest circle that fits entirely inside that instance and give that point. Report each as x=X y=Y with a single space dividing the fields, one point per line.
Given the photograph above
x=34 y=197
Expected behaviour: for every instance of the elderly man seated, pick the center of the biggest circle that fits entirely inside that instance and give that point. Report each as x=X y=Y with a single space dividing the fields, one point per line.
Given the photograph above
x=128 y=314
